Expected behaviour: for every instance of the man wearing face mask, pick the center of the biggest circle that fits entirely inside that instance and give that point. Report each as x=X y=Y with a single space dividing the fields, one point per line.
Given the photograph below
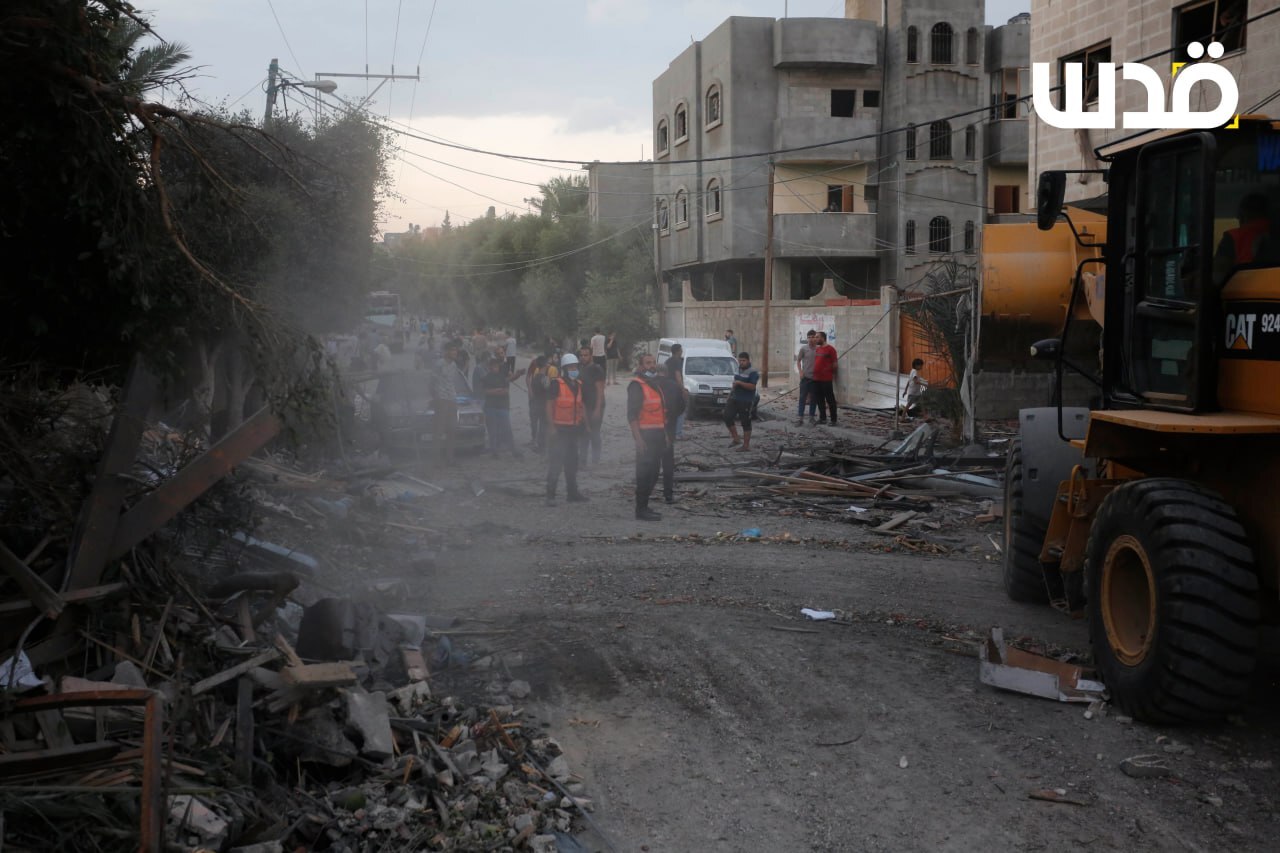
x=647 y=415
x=566 y=423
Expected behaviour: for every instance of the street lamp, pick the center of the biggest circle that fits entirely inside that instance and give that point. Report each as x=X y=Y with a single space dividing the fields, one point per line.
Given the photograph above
x=273 y=71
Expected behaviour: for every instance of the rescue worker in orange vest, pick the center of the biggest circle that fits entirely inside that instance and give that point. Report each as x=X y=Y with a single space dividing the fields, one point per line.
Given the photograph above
x=566 y=425
x=647 y=414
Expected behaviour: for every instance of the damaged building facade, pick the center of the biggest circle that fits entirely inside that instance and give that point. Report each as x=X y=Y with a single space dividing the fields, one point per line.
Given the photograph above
x=833 y=147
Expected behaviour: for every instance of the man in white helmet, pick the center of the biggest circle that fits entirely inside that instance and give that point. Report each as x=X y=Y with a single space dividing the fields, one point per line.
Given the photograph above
x=566 y=425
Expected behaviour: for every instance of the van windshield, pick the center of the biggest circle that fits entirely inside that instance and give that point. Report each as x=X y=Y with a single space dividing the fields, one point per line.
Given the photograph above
x=710 y=366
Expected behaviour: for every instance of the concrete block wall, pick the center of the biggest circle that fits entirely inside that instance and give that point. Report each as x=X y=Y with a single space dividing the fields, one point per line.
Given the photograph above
x=693 y=319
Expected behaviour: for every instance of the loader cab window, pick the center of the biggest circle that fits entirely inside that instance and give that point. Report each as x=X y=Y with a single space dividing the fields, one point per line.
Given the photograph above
x=1246 y=213
x=1170 y=245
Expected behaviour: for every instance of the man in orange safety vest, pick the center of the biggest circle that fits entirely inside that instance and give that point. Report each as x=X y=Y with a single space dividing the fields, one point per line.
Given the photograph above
x=566 y=424
x=647 y=415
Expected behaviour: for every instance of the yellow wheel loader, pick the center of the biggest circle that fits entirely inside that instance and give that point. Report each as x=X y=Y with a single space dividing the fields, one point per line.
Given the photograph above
x=1152 y=509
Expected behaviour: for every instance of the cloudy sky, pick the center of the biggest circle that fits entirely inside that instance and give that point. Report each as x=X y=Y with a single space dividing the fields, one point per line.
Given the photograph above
x=557 y=78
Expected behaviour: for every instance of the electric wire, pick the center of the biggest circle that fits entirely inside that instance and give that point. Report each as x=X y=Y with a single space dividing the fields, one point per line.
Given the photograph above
x=280 y=27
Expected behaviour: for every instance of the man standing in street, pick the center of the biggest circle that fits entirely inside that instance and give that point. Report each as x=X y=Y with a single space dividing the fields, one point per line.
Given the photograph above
x=647 y=415
x=566 y=421
x=741 y=398
x=497 y=408
x=674 y=395
x=824 y=378
x=675 y=369
x=591 y=375
x=511 y=353
x=804 y=363
x=597 y=348
x=732 y=339
x=444 y=402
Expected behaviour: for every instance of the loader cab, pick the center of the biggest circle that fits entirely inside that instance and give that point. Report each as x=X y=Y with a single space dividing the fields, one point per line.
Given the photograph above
x=1187 y=213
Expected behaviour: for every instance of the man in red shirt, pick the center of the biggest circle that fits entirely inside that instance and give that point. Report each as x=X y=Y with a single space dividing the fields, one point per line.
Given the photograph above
x=824 y=379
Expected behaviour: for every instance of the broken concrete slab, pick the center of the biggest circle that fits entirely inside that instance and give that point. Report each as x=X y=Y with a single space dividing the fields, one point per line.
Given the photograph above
x=190 y=815
x=369 y=720
x=1013 y=669
x=322 y=739
x=129 y=674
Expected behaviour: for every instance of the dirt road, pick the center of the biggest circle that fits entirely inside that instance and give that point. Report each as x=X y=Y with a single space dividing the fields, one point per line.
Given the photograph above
x=705 y=713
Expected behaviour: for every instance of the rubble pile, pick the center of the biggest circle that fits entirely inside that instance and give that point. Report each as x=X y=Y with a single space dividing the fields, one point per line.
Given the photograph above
x=190 y=686
x=196 y=718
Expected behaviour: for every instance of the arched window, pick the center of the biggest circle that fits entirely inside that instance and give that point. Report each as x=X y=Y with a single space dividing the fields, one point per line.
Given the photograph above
x=713 y=197
x=972 y=46
x=911 y=143
x=941 y=39
x=909 y=238
x=664 y=215
x=913 y=44
x=939 y=234
x=660 y=138
x=713 y=105
x=968 y=237
x=970 y=142
x=682 y=123
x=682 y=207
x=940 y=140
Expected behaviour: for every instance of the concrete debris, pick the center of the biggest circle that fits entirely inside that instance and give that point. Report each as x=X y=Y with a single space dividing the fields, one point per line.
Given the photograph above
x=367 y=717
x=518 y=689
x=1145 y=767
x=191 y=816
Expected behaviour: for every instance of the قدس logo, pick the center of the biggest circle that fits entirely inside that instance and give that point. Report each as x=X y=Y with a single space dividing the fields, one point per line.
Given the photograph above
x=1179 y=117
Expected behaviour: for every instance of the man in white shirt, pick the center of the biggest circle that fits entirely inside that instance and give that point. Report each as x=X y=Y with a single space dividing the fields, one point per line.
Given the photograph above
x=511 y=353
x=597 y=347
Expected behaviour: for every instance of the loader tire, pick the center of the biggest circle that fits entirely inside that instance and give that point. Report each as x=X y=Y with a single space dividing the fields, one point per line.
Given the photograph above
x=1023 y=575
x=1173 y=601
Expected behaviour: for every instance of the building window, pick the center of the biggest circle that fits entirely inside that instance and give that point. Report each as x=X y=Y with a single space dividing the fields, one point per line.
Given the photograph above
x=675 y=290
x=970 y=142
x=972 y=46
x=682 y=123
x=713 y=197
x=842 y=102
x=1090 y=58
x=664 y=215
x=968 y=237
x=1006 y=198
x=1008 y=86
x=941 y=39
x=660 y=138
x=911 y=143
x=913 y=44
x=909 y=238
x=940 y=140
x=682 y=208
x=1209 y=20
x=713 y=106
x=871 y=97
x=839 y=198
x=939 y=235
x=871 y=192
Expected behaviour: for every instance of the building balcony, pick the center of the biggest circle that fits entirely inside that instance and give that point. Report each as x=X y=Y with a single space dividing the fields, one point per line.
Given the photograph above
x=797 y=131
x=825 y=43
x=1007 y=142
x=818 y=234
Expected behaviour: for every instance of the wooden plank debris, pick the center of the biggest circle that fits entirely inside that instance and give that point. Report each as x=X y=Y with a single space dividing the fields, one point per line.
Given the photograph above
x=234 y=672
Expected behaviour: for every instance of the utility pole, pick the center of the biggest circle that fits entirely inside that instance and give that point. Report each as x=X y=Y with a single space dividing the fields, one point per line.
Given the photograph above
x=272 y=71
x=768 y=276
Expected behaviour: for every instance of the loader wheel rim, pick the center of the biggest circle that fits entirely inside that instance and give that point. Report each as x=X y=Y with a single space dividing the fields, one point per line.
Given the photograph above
x=1128 y=599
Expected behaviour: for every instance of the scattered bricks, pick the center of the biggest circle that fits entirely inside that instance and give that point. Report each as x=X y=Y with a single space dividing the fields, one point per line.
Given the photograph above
x=558 y=769
x=493 y=766
x=367 y=717
x=543 y=844
x=191 y=816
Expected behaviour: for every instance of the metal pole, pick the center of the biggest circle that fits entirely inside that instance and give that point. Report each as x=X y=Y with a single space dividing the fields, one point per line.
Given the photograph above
x=768 y=277
x=272 y=70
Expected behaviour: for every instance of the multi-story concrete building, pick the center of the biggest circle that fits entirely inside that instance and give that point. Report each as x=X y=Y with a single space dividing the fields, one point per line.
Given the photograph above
x=1155 y=32
x=867 y=139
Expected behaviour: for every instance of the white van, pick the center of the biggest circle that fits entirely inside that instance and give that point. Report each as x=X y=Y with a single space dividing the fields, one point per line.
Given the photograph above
x=709 y=368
